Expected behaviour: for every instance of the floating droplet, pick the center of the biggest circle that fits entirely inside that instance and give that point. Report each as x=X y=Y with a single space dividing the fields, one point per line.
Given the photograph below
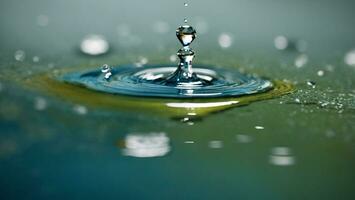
x=186 y=4
x=146 y=145
x=42 y=20
x=94 y=45
x=186 y=34
x=215 y=144
x=20 y=55
x=311 y=84
x=225 y=40
x=349 y=58
x=40 y=103
x=301 y=60
x=106 y=70
x=320 y=73
x=35 y=59
x=80 y=110
x=281 y=42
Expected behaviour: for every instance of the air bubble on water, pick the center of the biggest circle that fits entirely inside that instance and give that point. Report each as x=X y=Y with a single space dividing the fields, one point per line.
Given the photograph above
x=215 y=144
x=281 y=42
x=243 y=138
x=80 y=109
x=311 y=84
x=35 y=59
x=40 y=103
x=173 y=58
x=301 y=60
x=225 y=40
x=161 y=27
x=281 y=156
x=259 y=127
x=145 y=145
x=320 y=73
x=42 y=20
x=349 y=58
x=94 y=45
x=20 y=55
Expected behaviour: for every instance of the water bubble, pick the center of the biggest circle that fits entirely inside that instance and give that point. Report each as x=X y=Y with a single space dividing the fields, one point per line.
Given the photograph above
x=40 y=103
x=259 y=127
x=280 y=156
x=225 y=40
x=42 y=20
x=311 y=84
x=215 y=144
x=281 y=42
x=20 y=55
x=349 y=58
x=94 y=45
x=161 y=27
x=243 y=138
x=35 y=59
x=80 y=109
x=106 y=70
x=146 y=145
x=320 y=73
x=186 y=34
x=301 y=60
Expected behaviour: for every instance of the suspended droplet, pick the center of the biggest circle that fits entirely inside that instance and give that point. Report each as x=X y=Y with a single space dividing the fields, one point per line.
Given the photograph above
x=320 y=73
x=106 y=70
x=186 y=34
x=259 y=127
x=186 y=4
x=185 y=20
x=20 y=55
x=94 y=45
x=225 y=40
x=311 y=84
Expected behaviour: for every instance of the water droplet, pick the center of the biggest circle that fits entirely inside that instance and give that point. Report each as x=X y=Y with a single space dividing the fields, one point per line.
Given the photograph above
x=186 y=34
x=94 y=45
x=259 y=127
x=40 y=103
x=20 y=55
x=320 y=73
x=146 y=145
x=349 y=58
x=186 y=4
x=215 y=144
x=35 y=59
x=297 y=100
x=225 y=40
x=80 y=109
x=281 y=42
x=301 y=60
x=185 y=20
x=243 y=138
x=42 y=20
x=280 y=156
x=161 y=27
x=311 y=84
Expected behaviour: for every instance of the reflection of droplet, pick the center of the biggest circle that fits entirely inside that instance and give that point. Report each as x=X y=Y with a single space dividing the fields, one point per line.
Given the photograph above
x=259 y=127
x=20 y=55
x=243 y=138
x=349 y=58
x=80 y=110
x=301 y=60
x=42 y=20
x=281 y=42
x=215 y=144
x=40 y=103
x=146 y=145
x=225 y=40
x=94 y=45
x=281 y=156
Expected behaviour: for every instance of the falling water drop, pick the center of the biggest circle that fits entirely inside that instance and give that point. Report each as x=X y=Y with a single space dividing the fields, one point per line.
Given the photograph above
x=106 y=70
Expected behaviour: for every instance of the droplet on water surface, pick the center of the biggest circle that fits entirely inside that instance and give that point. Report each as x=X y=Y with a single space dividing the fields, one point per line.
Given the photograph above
x=94 y=45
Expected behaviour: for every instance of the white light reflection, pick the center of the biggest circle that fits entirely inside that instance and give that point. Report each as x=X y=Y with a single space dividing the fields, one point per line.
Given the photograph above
x=146 y=145
x=201 y=105
x=94 y=45
x=280 y=156
x=349 y=58
x=225 y=40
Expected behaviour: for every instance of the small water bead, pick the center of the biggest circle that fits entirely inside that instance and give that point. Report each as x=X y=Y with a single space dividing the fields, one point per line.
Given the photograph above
x=320 y=73
x=94 y=45
x=225 y=40
x=186 y=4
x=20 y=55
x=311 y=84
x=186 y=34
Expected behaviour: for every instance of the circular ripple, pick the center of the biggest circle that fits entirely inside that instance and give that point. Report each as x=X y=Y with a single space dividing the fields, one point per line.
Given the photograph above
x=149 y=81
